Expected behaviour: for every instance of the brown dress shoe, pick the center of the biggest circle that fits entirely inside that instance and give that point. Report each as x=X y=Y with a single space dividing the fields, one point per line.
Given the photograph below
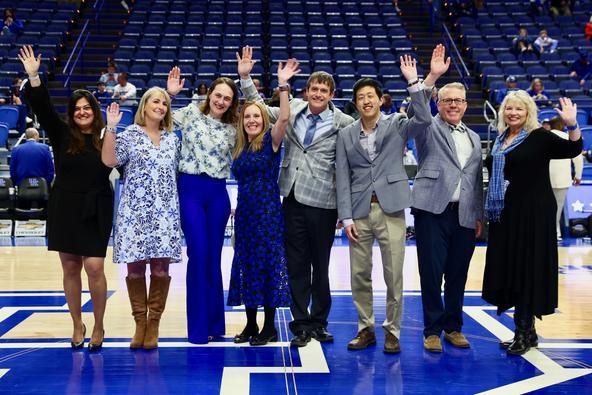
x=457 y=339
x=432 y=343
x=364 y=339
x=391 y=344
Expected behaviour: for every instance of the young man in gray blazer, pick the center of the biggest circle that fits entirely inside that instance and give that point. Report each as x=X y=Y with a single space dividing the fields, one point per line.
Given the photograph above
x=307 y=183
x=373 y=191
x=447 y=203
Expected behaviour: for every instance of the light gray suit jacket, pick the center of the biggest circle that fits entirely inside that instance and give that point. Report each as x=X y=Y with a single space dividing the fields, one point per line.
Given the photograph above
x=439 y=171
x=358 y=176
x=311 y=171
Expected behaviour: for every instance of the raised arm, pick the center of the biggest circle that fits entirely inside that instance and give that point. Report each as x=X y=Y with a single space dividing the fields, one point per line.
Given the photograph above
x=108 y=151
x=31 y=64
x=175 y=82
x=568 y=114
x=438 y=65
x=284 y=74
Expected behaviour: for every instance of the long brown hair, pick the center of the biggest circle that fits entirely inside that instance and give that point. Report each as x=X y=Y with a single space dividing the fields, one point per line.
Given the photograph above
x=76 y=144
x=231 y=115
x=241 y=136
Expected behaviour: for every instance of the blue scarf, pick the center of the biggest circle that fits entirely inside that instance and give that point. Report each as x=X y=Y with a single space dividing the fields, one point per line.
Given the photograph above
x=497 y=184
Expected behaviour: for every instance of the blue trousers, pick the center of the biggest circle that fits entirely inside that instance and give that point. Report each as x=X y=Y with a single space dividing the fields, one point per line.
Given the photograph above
x=205 y=208
x=444 y=249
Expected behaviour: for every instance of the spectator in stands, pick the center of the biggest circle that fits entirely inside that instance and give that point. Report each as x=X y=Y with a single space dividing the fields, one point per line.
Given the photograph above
x=560 y=7
x=378 y=211
x=537 y=8
x=201 y=93
x=523 y=42
x=537 y=92
x=544 y=43
x=101 y=94
x=274 y=101
x=12 y=25
x=588 y=29
x=581 y=68
x=404 y=105
x=16 y=100
x=209 y=135
x=124 y=92
x=511 y=85
x=521 y=258
x=31 y=159
x=260 y=88
x=546 y=124
x=80 y=209
x=307 y=184
x=110 y=77
x=408 y=157
x=304 y=94
x=351 y=110
x=387 y=107
x=434 y=102
x=148 y=225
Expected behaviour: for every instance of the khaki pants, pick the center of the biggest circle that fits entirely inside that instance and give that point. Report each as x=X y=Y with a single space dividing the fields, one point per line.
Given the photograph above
x=389 y=231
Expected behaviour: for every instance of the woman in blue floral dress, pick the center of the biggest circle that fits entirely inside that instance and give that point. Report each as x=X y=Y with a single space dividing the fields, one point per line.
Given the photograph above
x=259 y=275
x=147 y=228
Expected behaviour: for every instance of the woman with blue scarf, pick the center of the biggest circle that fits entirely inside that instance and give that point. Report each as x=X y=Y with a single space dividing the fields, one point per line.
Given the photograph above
x=521 y=261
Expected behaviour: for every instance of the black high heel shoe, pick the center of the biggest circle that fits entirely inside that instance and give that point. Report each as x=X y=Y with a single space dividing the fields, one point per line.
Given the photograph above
x=262 y=338
x=92 y=347
x=80 y=344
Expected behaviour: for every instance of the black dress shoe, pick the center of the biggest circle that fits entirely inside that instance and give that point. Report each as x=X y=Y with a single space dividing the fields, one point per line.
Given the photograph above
x=322 y=335
x=521 y=343
x=533 y=337
x=94 y=347
x=246 y=334
x=263 y=338
x=301 y=339
x=79 y=345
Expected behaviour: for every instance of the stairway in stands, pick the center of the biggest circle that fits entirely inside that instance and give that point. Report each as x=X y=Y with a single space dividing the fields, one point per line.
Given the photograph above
x=416 y=19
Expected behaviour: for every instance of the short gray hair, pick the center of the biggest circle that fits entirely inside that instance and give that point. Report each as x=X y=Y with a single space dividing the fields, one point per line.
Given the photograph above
x=31 y=133
x=452 y=85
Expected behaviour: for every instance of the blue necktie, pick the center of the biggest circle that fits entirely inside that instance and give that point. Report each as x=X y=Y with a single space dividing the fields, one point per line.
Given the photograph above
x=310 y=131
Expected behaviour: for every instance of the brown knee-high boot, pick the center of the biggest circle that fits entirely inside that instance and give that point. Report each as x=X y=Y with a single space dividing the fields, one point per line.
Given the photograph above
x=159 y=289
x=136 y=288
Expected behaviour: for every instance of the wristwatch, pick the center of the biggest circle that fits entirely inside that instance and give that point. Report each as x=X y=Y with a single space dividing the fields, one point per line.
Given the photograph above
x=284 y=88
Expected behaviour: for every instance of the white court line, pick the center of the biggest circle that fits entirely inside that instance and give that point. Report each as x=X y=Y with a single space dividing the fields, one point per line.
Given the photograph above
x=3 y=372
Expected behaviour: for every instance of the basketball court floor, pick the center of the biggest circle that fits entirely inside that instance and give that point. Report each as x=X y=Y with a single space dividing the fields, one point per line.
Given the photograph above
x=35 y=330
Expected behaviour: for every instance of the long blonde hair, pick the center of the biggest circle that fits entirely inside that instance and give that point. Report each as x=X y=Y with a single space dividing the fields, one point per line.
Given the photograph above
x=167 y=122
x=242 y=138
x=523 y=98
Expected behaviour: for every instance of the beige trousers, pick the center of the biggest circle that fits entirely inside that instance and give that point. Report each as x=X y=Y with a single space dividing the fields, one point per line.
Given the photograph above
x=389 y=231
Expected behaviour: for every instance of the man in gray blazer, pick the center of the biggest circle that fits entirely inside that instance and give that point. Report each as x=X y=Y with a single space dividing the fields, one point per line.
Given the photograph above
x=307 y=183
x=447 y=202
x=373 y=191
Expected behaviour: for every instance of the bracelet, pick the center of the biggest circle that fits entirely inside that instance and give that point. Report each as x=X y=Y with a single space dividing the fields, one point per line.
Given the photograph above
x=33 y=78
x=411 y=83
x=107 y=129
x=284 y=88
x=571 y=128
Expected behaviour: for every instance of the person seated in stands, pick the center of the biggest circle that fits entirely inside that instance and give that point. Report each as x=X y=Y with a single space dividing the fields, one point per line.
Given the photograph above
x=560 y=7
x=388 y=107
x=11 y=26
x=546 y=124
x=537 y=8
x=537 y=92
x=110 y=77
x=581 y=68
x=511 y=85
x=31 y=159
x=103 y=97
x=201 y=93
x=588 y=29
x=16 y=100
x=124 y=91
x=351 y=109
x=257 y=84
x=522 y=42
x=544 y=43
x=434 y=102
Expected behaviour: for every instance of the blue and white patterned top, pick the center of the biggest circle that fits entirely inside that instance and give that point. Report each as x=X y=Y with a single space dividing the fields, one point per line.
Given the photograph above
x=148 y=222
x=207 y=143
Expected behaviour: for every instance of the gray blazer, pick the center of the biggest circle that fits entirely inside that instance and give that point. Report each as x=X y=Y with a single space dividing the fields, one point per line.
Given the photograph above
x=311 y=171
x=439 y=172
x=358 y=176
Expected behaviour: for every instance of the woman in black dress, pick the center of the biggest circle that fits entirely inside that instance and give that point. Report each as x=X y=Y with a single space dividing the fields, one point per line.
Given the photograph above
x=521 y=261
x=80 y=209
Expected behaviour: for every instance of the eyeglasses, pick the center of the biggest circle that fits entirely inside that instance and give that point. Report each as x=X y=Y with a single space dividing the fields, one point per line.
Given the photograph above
x=448 y=102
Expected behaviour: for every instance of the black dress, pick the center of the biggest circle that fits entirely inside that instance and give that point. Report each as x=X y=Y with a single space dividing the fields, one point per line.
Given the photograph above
x=80 y=210
x=521 y=260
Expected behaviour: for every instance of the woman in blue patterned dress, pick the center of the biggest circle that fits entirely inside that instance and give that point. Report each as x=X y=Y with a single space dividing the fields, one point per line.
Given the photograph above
x=209 y=135
x=259 y=276
x=147 y=228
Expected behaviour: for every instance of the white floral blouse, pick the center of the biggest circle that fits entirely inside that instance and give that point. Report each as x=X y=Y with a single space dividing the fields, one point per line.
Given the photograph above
x=207 y=143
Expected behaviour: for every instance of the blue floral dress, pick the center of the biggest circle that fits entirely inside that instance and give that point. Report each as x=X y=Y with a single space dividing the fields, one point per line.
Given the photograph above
x=259 y=276
x=147 y=224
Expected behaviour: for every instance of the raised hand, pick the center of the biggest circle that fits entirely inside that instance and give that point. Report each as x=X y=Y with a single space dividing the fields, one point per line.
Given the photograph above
x=438 y=65
x=408 y=67
x=568 y=112
x=30 y=62
x=246 y=63
x=113 y=115
x=288 y=71
x=174 y=81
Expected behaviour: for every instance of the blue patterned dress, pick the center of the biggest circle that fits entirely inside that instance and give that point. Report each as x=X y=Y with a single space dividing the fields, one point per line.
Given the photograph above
x=259 y=276
x=147 y=224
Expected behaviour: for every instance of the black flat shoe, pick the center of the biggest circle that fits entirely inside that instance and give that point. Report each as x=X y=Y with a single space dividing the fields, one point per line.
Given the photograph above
x=322 y=335
x=262 y=339
x=301 y=339
x=80 y=344
x=246 y=335
x=92 y=347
